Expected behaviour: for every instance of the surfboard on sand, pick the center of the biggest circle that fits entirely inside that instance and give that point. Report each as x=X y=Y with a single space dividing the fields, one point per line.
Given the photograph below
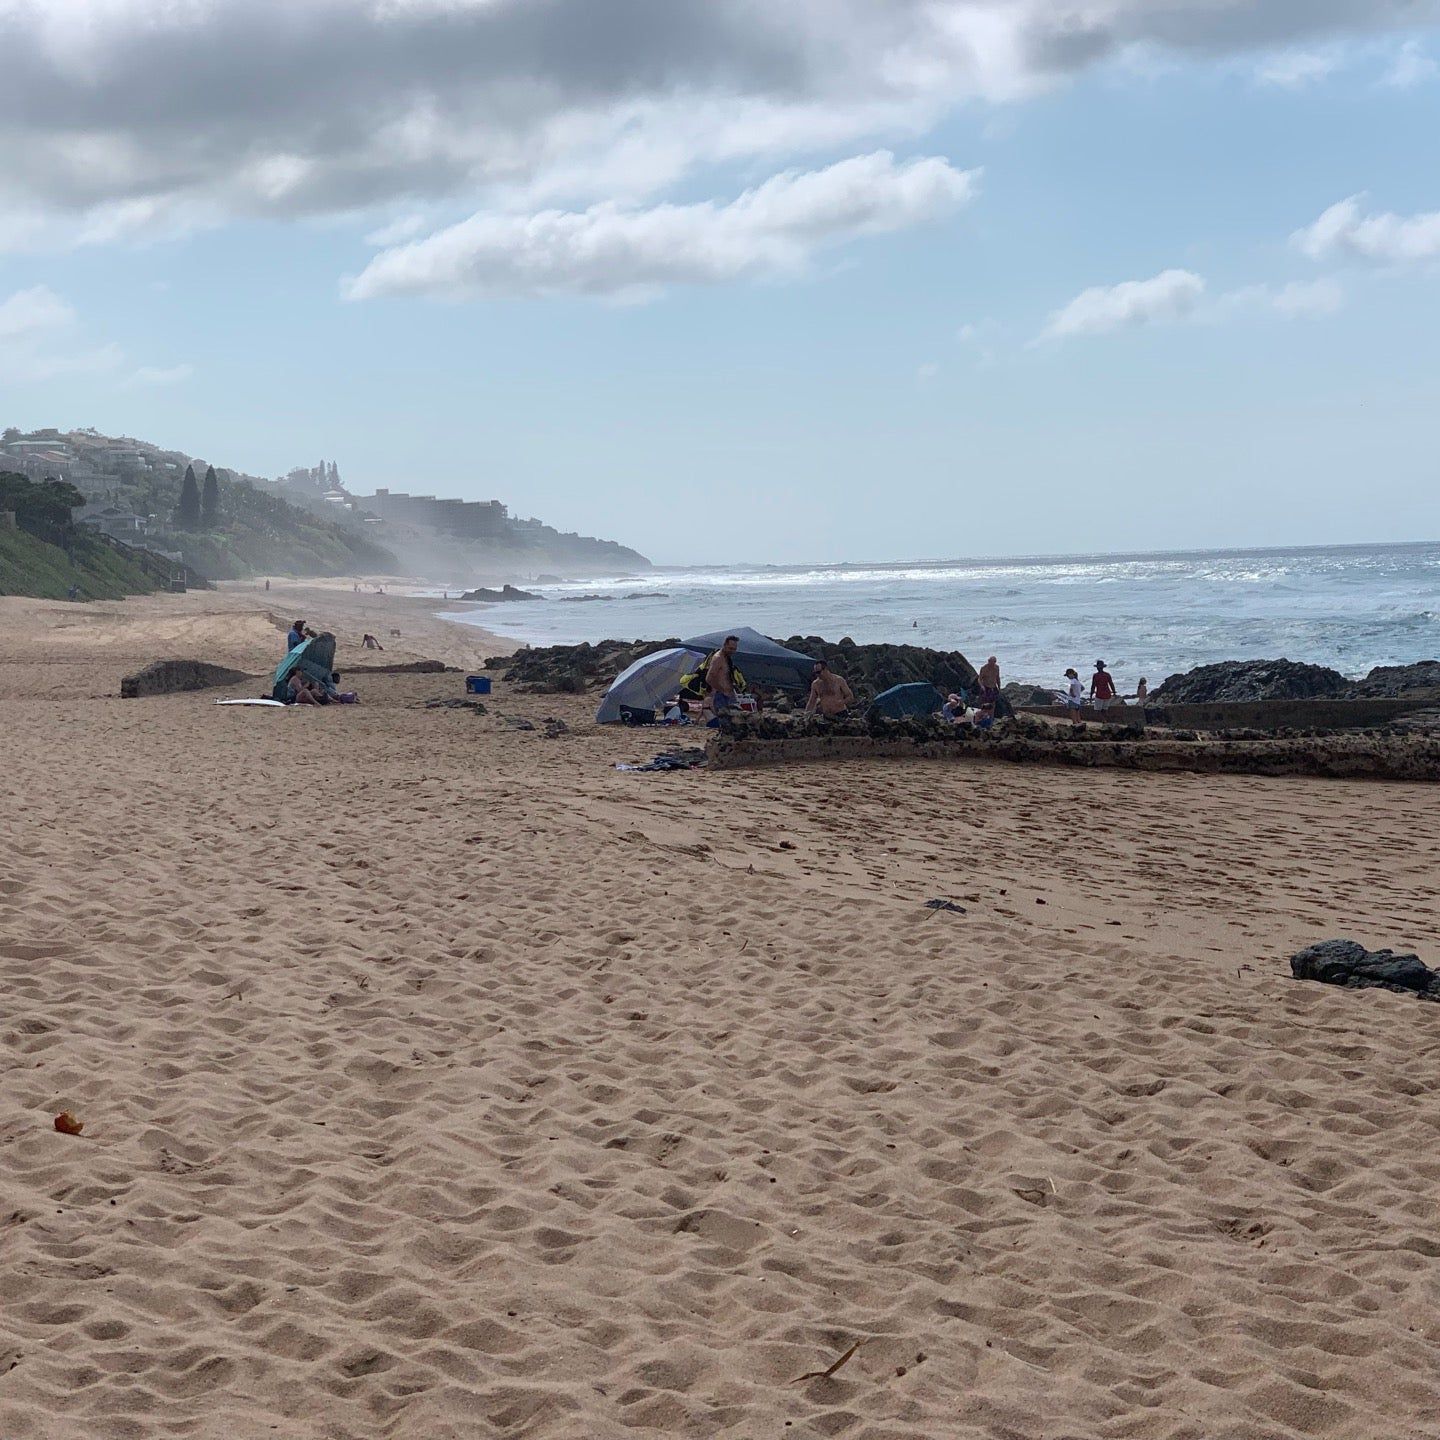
x=275 y=703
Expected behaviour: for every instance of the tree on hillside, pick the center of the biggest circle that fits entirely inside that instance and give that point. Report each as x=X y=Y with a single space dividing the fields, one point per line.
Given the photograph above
x=187 y=513
x=43 y=509
x=210 y=500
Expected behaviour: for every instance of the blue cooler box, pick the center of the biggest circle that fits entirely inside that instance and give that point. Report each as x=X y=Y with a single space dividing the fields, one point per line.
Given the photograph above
x=477 y=684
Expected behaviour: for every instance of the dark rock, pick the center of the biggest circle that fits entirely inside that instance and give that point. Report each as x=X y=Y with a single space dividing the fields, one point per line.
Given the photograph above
x=494 y=597
x=869 y=669
x=1396 y=680
x=1234 y=681
x=1348 y=963
x=475 y=707
x=407 y=667
x=1018 y=694
x=572 y=669
x=166 y=677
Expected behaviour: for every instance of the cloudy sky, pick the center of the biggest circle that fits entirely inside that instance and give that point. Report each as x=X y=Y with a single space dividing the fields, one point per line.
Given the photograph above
x=725 y=279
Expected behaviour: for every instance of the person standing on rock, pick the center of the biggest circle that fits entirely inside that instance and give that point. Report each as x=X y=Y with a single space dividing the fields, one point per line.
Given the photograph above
x=989 y=682
x=829 y=694
x=1102 y=687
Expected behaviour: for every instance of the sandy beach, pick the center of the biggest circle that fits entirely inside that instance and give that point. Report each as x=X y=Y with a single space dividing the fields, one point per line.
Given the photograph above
x=441 y=1081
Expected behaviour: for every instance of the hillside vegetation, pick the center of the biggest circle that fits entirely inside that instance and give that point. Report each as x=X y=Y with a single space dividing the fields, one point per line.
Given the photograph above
x=31 y=567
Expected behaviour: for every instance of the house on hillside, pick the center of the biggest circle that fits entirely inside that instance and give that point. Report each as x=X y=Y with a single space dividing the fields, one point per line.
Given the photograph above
x=114 y=520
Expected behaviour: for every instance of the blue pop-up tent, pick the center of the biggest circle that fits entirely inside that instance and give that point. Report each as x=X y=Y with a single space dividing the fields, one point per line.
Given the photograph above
x=901 y=701
x=759 y=659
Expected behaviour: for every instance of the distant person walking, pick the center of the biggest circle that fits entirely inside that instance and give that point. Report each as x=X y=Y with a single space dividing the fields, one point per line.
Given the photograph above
x=1102 y=687
x=720 y=676
x=1142 y=692
x=829 y=694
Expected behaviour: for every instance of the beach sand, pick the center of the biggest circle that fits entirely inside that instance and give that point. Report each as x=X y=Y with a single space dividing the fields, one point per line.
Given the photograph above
x=441 y=1081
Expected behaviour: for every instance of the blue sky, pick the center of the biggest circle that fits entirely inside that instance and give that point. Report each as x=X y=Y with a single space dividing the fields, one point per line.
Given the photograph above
x=726 y=300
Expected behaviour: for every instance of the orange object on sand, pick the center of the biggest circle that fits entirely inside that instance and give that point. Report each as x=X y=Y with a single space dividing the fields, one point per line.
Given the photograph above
x=67 y=1124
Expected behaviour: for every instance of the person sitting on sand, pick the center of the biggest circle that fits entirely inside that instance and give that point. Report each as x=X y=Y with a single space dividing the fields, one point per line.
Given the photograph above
x=1102 y=687
x=954 y=709
x=369 y=642
x=305 y=691
x=829 y=694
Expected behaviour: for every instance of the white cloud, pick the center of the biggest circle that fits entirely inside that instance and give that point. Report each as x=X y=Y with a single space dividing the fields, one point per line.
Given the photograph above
x=1386 y=239
x=27 y=312
x=129 y=118
x=1170 y=295
x=1298 y=300
x=1411 y=67
x=618 y=252
x=1294 y=69
x=41 y=339
x=1301 y=299
x=926 y=372
x=153 y=375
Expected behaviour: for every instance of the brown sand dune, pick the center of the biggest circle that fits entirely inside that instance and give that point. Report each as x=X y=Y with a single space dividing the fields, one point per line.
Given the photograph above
x=440 y=1081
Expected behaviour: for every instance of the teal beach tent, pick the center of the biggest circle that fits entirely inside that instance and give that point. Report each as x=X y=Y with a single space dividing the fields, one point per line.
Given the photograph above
x=314 y=657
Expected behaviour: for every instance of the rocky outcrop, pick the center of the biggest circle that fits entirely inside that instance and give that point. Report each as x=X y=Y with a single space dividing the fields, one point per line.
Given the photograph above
x=1245 y=680
x=1348 y=963
x=495 y=597
x=166 y=677
x=403 y=667
x=572 y=669
x=1398 y=680
x=1019 y=695
x=869 y=669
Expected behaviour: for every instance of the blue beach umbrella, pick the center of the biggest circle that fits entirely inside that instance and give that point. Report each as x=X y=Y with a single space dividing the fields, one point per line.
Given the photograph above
x=650 y=680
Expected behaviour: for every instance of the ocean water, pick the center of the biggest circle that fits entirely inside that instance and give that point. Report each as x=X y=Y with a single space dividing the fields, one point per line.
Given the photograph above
x=1349 y=607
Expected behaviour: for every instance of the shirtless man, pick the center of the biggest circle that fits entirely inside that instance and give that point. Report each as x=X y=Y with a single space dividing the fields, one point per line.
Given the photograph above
x=828 y=693
x=989 y=682
x=720 y=676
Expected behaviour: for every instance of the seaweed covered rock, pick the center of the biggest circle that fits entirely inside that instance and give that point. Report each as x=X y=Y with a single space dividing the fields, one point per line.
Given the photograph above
x=166 y=677
x=1233 y=681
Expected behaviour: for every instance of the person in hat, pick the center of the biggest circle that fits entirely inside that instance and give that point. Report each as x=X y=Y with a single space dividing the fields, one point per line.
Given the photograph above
x=1072 y=697
x=1102 y=687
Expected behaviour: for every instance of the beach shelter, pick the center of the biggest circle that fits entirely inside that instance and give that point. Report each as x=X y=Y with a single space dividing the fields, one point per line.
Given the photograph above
x=314 y=657
x=900 y=701
x=760 y=660
x=649 y=681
